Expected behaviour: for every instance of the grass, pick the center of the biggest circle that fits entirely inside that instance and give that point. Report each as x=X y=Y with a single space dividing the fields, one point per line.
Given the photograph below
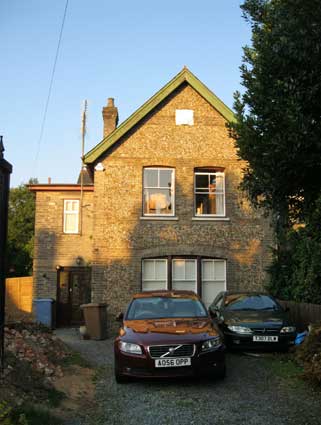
x=55 y=397
x=284 y=367
x=75 y=359
x=100 y=373
x=34 y=415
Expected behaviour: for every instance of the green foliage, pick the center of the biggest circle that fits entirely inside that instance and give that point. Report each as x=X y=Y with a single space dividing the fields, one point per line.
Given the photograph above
x=309 y=355
x=278 y=134
x=286 y=368
x=21 y=221
x=278 y=128
x=297 y=274
x=34 y=415
x=8 y=417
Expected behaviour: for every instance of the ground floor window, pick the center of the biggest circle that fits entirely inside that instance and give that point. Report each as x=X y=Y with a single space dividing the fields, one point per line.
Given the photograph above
x=204 y=276
x=154 y=274
x=184 y=274
x=213 y=279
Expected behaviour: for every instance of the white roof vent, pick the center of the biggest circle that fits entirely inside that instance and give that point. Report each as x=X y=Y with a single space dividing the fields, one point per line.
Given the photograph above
x=184 y=117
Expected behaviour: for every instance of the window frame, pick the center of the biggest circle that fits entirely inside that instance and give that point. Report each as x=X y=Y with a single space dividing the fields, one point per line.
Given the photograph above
x=159 y=187
x=209 y=171
x=185 y=280
x=198 y=270
x=214 y=260
x=66 y=212
x=155 y=280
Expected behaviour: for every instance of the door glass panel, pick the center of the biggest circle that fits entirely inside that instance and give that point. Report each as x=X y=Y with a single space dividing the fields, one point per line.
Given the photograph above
x=63 y=287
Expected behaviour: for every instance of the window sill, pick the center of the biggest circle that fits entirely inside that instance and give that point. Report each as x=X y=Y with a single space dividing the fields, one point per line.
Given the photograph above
x=158 y=218
x=211 y=219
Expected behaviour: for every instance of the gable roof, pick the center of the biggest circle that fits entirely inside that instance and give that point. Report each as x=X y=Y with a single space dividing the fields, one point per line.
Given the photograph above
x=184 y=76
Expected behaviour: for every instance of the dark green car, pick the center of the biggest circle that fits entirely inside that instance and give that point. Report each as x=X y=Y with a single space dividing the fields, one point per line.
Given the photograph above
x=252 y=321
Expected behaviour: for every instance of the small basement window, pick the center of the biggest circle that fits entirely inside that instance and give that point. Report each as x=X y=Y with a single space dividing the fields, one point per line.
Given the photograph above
x=184 y=117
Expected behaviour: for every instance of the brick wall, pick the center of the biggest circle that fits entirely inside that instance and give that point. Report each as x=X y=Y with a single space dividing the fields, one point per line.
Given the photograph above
x=52 y=246
x=115 y=238
x=121 y=238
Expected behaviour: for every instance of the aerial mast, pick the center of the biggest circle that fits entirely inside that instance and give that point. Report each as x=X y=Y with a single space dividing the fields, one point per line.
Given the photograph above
x=83 y=166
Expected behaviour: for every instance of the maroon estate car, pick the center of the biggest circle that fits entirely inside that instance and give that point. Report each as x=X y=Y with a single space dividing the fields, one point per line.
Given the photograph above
x=168 y=334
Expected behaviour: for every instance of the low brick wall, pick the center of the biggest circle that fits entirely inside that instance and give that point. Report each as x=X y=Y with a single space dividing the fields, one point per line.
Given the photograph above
x=19 y=299
x=303 y=313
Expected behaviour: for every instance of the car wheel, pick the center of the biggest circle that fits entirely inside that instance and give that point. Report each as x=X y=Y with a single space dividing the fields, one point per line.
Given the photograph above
x=120 y=379
x=221 y=374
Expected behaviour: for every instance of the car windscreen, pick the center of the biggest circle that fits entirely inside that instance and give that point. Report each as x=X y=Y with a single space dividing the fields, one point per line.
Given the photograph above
x=165 y=307
x=250 y=302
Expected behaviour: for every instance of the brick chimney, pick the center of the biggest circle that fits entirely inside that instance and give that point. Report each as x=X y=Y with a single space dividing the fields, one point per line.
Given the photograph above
x=110 y=117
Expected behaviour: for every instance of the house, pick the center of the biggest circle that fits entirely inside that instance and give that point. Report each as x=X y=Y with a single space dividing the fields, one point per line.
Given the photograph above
x=159 y=207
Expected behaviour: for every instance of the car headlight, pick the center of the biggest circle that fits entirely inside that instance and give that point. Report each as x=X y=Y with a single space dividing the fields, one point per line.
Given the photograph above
x=240 y=329
x=128 y=347
x=211 y=343
x=288 y=329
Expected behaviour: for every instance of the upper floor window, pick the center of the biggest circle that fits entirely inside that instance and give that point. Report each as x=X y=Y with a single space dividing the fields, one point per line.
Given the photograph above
x=159 y=191
x=71 y=216
x=209 y=192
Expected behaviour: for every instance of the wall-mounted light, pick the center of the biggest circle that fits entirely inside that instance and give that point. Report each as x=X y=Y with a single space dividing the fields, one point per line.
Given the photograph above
x=58 y=267
x=78 y=260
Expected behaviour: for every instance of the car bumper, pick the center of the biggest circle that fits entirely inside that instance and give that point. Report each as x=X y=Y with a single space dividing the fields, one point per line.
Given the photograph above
x=209 y=363
x=245 y=342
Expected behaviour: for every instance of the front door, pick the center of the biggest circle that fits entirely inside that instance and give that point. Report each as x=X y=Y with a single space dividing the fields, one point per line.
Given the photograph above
x=73 y=289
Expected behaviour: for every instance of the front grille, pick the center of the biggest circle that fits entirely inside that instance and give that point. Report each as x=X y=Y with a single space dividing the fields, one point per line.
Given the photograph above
x=263 y=331
x=185 y=350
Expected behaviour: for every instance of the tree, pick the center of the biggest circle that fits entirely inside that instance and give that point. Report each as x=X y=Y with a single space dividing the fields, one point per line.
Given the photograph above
x=278 y=128
x=21 y=221
x=278 y=133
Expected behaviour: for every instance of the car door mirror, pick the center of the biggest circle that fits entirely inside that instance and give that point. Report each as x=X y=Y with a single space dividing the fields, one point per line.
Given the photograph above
x=213 y=311
x=120 y=317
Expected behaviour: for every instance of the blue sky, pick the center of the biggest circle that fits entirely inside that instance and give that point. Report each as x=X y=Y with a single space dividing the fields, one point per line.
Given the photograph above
x=126 y=50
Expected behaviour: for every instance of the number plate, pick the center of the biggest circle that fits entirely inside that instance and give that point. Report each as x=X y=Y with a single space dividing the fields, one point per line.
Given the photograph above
x=173 y=362
x=265 y=338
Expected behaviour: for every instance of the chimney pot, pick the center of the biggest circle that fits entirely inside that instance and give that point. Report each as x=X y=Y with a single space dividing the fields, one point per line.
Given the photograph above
x=49 y=180
x=110 y=102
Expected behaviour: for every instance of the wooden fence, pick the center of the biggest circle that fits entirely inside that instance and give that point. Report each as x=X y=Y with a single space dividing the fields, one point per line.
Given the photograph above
x=19 y=299
x=302 y=313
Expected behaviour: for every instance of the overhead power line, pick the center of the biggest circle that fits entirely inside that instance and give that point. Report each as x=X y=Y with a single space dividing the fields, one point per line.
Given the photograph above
x=50 y=86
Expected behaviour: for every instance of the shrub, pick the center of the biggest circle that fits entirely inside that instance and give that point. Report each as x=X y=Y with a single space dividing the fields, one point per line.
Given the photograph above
x=309 y=355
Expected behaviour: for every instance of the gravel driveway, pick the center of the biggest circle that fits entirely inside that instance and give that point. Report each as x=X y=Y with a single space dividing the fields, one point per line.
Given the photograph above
x=251 y=394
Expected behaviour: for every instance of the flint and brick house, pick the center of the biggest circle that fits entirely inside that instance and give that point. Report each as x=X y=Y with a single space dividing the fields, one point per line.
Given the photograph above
x=159 y=207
